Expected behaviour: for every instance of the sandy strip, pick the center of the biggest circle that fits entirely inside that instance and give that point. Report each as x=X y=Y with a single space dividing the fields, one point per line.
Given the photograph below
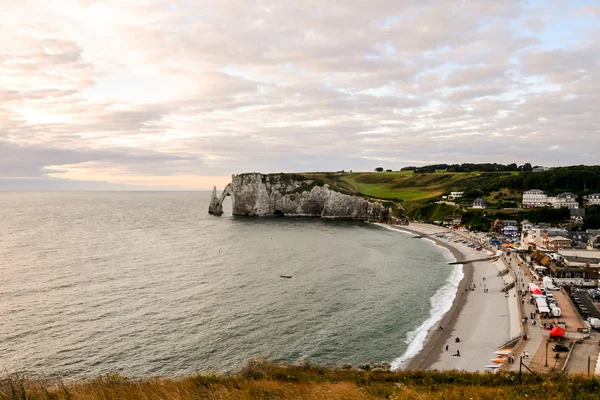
x=481 y=320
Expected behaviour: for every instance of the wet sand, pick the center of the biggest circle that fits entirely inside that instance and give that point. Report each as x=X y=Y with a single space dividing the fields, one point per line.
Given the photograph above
x=481 y=320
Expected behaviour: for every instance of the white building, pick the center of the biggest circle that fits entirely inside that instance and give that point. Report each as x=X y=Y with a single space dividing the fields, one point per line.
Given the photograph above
x=592 y=199
x=564 y=200
x=535 y=198
x=455 y=195
x=479 y=203
x=526 y=225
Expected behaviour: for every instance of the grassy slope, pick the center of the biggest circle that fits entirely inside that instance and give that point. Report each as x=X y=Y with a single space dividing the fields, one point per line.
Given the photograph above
x=407 y=186
x=416 y=192
x=269 y=381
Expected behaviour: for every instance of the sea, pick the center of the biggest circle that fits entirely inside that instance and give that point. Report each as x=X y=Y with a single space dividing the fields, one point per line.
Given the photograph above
x=149 y=284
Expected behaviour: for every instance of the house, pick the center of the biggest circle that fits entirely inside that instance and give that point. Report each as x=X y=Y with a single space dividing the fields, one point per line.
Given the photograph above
x=510 y=230
x=535 y=198
x=593 y=243
x=591 y=199
x=564 y=200
x=526 y=225
x=455 y=195
x=579 y=238
x=479 y=203
x=570 y=266
x=556 y=242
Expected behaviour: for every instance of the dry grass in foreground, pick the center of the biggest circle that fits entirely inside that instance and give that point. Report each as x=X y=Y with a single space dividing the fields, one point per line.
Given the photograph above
x=274 y=381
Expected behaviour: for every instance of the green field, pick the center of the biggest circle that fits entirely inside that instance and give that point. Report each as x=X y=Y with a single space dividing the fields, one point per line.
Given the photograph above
x=404 y=185
x=414 y=193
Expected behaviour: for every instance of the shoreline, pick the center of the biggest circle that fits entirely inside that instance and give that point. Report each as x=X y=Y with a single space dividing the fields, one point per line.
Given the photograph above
x=483 y=319
x=436 y=338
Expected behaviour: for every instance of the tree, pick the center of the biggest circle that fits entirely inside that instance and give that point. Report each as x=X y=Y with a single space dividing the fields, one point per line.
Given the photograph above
x=379 y=169
x=527 y=167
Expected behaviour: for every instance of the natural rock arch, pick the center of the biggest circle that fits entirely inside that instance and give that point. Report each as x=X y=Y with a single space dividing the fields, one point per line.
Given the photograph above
x=216 y=203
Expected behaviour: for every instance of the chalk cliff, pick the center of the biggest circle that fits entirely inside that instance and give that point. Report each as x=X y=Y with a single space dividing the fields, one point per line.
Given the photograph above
x=255 y=194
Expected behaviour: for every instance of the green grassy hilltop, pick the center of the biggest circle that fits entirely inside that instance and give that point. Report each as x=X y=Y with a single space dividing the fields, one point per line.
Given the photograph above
x=418 y=191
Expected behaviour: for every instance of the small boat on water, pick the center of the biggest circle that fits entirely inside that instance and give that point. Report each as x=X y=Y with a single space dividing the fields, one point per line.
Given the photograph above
x=492 y=366
x=497 y=360
x=285 y=276
x=503 y=352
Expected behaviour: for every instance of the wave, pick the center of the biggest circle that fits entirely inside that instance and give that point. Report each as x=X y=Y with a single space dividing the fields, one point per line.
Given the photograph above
x=392 y=228
x=440 y=305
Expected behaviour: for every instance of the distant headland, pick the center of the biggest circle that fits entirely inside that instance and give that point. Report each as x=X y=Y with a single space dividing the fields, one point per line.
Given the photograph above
x=301 y=195
x=474 y=194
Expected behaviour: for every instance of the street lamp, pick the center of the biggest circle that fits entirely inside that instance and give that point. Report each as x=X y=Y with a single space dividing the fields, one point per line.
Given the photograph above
x=546 y=352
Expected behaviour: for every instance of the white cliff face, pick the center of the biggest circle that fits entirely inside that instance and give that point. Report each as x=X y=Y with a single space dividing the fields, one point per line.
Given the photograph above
x=292 y=195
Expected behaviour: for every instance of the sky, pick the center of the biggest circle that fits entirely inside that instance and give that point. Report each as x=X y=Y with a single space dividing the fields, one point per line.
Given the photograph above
x=133 y=94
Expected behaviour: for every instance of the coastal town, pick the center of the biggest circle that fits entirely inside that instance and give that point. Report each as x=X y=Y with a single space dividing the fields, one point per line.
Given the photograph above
x=531 y=287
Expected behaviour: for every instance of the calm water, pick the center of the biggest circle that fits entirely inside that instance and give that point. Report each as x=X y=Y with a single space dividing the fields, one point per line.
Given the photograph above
x=150 y=284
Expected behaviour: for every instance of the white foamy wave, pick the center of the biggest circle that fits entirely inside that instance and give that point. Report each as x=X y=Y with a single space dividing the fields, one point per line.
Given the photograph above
x=447 y=253
x=441 y=302
x=392 y=228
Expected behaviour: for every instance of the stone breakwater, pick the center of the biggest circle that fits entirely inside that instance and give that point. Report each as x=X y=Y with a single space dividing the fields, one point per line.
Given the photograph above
x=260 y=195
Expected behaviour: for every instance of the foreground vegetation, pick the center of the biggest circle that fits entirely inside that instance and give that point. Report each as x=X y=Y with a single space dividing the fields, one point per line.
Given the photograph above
x=271 y=381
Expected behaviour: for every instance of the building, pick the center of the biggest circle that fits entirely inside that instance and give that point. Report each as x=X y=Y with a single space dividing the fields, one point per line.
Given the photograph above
x=591 y=199
x=564 y=200
x=579 y=239
x=479 y=203
x=535 y=198
x=526 y=225
x=593 y=243
x=455 y=195
x=577 y=215
x=510 y=231
x=569 y=266
x=555 y=243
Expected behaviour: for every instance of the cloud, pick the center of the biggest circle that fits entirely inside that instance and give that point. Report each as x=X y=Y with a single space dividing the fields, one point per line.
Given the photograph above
x=121 y=91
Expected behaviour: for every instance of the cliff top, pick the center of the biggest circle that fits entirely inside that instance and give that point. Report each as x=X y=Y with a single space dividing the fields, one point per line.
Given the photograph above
x=272 y=381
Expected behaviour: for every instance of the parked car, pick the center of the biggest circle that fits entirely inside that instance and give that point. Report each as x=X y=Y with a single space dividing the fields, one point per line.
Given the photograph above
x=560 y=347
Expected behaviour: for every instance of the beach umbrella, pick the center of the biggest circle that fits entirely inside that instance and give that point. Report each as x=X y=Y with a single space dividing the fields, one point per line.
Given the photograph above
x=557 y=331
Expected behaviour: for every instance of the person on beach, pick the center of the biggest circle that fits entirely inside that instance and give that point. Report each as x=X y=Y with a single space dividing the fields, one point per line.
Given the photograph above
x=446 y=347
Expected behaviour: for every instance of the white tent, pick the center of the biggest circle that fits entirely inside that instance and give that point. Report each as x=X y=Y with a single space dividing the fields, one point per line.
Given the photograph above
x=544 y=309
x=541 y=303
